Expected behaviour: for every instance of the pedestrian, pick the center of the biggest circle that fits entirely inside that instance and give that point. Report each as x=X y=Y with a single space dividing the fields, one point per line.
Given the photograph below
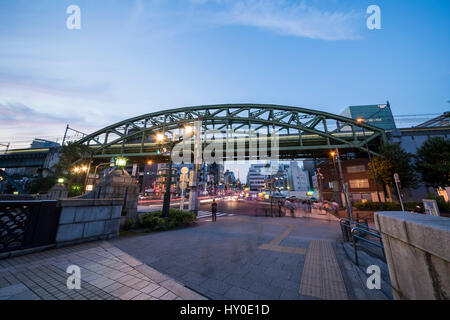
x=214 y=210
x=280 y=205
x=292 y=208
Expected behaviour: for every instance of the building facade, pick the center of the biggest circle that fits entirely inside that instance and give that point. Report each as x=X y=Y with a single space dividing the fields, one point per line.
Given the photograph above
x=377 y=115
x=356 y=174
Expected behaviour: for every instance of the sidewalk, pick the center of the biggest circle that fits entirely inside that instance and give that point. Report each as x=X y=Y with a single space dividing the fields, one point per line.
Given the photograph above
x=107 y=273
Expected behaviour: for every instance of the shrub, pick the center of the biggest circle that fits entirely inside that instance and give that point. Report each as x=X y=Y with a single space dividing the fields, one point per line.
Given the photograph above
x=128 y=225
x=388 y=206
x=153 y=221
x=176 y=218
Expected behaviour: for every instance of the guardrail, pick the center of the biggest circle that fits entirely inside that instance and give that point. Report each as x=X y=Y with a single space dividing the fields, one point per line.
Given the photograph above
x=27 y=224
x=355 y=231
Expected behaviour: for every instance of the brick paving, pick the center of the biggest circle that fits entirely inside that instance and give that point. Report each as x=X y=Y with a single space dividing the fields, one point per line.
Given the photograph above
x=321 y=277
x=244 y=258
x=107 y=273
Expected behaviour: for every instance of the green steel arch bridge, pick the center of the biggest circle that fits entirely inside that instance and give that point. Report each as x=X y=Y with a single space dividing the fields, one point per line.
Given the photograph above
x=303 y=133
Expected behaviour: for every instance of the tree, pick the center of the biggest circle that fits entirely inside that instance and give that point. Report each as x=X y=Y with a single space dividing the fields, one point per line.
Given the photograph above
x=69 y=154
x=433 y=162
x=395 y=160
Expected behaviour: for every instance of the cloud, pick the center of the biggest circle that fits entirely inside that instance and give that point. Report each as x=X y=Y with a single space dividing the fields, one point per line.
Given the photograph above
x=293 y=19
x=17 y=113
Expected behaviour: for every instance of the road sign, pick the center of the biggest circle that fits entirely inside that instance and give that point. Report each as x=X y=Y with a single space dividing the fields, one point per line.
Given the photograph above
x=397 y=182
x=191 y=179
x=431 y=207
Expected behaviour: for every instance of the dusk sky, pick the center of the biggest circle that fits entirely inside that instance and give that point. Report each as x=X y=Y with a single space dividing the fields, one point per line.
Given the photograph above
x=136 y=57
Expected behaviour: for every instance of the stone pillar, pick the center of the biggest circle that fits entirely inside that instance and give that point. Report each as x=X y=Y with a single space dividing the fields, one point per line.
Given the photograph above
x=57 y=192
x=417 y=254
x=118 y=184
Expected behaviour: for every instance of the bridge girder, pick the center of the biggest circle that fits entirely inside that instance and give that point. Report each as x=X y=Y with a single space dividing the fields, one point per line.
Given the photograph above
x=307 y=130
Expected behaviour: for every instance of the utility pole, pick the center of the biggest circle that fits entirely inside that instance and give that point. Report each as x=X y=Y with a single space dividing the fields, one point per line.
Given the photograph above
x=65 y=135
x=5 y=145
x=348 y=203
x=397 y=183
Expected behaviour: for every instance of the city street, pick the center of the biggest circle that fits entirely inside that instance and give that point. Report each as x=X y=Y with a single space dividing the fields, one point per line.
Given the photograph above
x=235 y=207
x=252 y=258
x=224 y=150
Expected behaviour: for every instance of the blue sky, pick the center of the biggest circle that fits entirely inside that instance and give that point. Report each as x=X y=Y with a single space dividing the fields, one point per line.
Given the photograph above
x=136 y=57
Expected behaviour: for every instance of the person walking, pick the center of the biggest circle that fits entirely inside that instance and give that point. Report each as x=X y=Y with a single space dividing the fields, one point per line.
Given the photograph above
x=280 y=205
x=214 y=210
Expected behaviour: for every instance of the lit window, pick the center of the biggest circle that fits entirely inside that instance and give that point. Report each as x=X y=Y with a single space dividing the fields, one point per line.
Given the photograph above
x=356 y=169
x=359 y=183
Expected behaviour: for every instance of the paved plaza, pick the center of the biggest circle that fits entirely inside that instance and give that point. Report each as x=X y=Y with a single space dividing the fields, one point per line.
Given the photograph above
x=107 y=273
x=253 y=258
x=237 y=257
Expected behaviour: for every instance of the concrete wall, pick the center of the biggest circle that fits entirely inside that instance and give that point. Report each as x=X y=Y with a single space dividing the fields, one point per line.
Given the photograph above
x=417 y=253
x=88 y=219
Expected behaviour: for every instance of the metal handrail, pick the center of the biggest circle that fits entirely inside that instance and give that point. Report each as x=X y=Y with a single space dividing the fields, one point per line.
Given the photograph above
x=357 y=223
x=346 y=225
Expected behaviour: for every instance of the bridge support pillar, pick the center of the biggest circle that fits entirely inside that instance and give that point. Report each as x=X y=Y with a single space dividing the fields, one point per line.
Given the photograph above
x=118 y=184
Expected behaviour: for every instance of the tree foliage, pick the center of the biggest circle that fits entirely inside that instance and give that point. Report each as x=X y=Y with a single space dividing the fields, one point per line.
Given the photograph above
x=395 y=160
x=41 y=185
x=71 y=153
x=433 y=162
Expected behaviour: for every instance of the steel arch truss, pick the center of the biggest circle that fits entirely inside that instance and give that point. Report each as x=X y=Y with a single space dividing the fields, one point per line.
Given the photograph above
x=300 y=130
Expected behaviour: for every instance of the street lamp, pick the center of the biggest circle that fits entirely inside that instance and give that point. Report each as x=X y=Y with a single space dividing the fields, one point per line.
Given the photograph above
x=348 y=203
x=160 y=137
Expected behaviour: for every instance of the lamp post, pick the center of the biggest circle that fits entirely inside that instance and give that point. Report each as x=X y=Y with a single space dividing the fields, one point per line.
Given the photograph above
x=360 y=120
x=348 y=204
x=167 y=146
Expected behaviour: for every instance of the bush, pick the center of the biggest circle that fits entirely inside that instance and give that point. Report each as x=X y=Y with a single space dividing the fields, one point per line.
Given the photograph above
x=177 y=218
x=128 y=225
x=153 y=221
x=388 y=206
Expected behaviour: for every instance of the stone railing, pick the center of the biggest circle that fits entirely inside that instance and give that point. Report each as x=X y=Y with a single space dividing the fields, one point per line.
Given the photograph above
x=88 y=219
x=417 y=253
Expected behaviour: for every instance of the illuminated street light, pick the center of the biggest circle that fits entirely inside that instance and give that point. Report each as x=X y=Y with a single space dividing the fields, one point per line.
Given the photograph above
x=76 y=169
x=149 y=162
x=84 y=168
x=332 y=153
x=121 y=162
x=160 y=137
x=61 y=180
x=359 y=120
x=188 y=129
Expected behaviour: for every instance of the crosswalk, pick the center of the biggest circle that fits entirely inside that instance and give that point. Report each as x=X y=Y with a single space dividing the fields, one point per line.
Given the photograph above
x=208 y=214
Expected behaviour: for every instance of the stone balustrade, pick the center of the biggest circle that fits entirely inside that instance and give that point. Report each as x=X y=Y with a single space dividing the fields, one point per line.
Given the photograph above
x=418 y=254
